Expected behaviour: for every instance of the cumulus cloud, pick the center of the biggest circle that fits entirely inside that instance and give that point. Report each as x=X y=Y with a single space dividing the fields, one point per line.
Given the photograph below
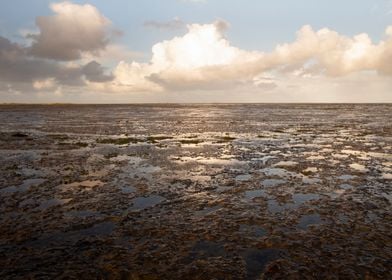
x=203 y=45
x=334 y=53
x=24 y=71
x=204 y=58
x=70 y=32
x=16 y=66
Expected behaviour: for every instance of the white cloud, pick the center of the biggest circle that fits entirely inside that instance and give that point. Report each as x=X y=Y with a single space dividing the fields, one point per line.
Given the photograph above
x=202 y=56
x=333 y=53
x=204 y=59
x=202 y=46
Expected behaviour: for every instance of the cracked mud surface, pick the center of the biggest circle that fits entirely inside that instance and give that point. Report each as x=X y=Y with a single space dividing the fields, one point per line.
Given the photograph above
x=196 y=192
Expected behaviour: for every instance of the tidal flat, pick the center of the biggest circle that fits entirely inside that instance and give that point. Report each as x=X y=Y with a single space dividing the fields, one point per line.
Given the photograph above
x=231 y=191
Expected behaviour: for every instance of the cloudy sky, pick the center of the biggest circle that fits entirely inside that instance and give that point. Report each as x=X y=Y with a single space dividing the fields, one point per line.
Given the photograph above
x=195 y=51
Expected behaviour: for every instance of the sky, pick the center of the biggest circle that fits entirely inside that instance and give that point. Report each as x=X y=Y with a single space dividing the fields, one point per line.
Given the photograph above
x=144 y=51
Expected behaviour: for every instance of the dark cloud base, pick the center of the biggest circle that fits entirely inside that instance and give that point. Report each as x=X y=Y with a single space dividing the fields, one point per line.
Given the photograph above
x=18 y=67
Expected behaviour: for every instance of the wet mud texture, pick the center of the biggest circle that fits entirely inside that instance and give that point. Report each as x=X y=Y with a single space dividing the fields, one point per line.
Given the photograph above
x=196 y=192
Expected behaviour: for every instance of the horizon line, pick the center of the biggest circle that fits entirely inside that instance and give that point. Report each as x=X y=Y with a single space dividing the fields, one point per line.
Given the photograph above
x=185 y=103
x=194 y=103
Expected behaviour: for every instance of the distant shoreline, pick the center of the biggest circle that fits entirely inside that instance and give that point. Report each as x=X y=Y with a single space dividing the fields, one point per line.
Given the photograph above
x=196 y=103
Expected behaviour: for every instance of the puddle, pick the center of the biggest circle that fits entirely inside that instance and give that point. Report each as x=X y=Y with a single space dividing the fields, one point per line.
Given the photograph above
x=359 y=167
x=200 y=178
x=353 y=152
x=207 y=211
x=134 y=160
x=121 y=158
x=380 y=155
x=27 y=202
x=263 y=160
x=276 y=207
x=87 y=184
x=217 y=161
x=101 y=229
x=310 y=170
x=253 y=230
x=346 y=177
x=285 y=164
x=72 y=236
x=342 y=218
x=346 y=187
x=127 y=189
x=315 y=158
x=256 y=260
x=210 y=161
x=139 y=171
x=308 y=180
x=82 y=214
x=272 y=182
x=140 y=203
x=255 y=193
x=243 y=178
x=279 y=172
x=53 y=202
x=222 y=189
x=340 y=156
x=148 y=169
x=386 y=176
x=25 y=186
x=372 y=217
x=387 y=196
x=307 y=220
x=101 y=172
x=206 y=249
x=29 y=172
x=298 y=199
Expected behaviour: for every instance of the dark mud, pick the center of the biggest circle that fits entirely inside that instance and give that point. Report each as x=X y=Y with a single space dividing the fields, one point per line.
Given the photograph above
x=196 y=192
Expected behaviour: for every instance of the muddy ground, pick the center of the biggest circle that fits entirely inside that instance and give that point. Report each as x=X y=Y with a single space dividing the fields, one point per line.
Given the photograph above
x=196 y=192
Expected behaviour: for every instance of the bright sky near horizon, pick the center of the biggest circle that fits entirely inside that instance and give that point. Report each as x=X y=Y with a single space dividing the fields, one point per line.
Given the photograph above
x=195 y=51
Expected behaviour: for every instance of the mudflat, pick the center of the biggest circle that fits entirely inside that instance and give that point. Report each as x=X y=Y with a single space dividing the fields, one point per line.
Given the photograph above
x=202 y=191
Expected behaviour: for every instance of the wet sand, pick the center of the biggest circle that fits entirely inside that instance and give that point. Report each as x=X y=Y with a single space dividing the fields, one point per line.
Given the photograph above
x=196 y=191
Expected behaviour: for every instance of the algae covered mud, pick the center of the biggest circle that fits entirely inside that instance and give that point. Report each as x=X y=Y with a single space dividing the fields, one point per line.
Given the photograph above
x=196 y=191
